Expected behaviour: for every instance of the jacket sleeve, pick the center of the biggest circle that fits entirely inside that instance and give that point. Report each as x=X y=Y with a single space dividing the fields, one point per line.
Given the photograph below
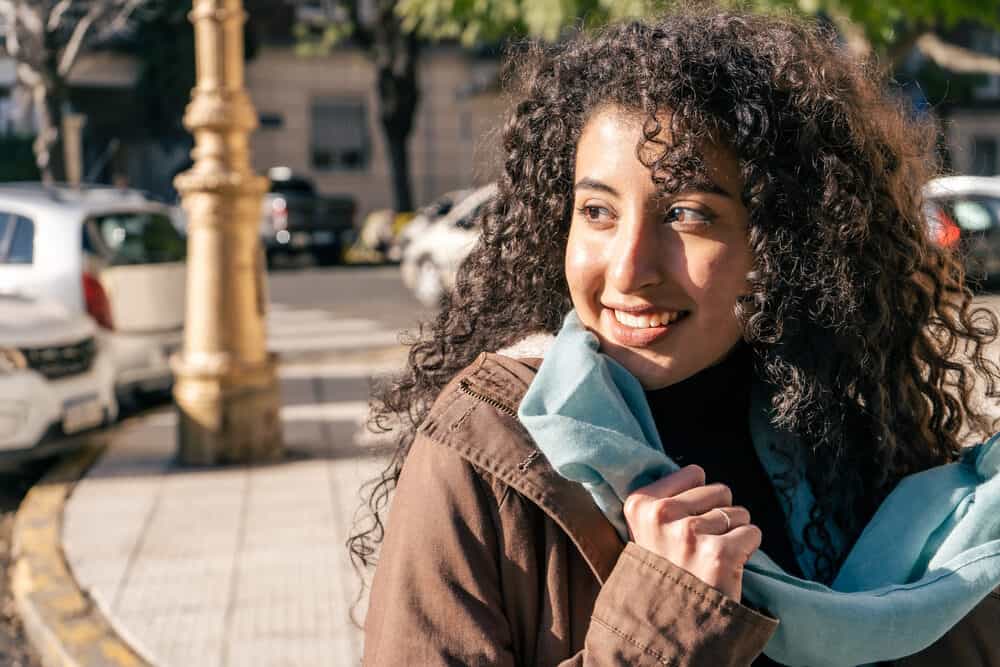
x=650 y=611
x=437 y=595
x=435 y=598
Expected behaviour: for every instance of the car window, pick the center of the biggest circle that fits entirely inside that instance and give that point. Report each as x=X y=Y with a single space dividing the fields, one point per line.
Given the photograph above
x=293 y=185
x=17 y=239
x=137 y=238
x=471 y=219
x=972 y=215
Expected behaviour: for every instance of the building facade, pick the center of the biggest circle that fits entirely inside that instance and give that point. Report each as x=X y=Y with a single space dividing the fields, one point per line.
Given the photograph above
x=319 y=117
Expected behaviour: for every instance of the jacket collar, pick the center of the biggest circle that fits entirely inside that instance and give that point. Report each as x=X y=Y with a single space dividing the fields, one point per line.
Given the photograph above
x=503 y=448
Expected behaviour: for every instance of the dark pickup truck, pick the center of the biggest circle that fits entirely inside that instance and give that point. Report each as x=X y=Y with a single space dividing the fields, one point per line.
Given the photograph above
x=296 y=219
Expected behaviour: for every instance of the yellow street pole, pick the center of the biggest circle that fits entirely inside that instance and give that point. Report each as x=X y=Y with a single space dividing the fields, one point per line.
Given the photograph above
x=226 y=388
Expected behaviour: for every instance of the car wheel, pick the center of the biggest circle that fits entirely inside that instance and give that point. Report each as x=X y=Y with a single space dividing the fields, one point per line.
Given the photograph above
x=428 y=287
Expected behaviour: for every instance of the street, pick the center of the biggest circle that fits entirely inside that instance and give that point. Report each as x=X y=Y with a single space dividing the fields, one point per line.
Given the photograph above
x=334 y=328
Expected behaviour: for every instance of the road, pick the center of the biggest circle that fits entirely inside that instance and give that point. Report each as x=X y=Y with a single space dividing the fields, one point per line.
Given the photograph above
x=315 y=313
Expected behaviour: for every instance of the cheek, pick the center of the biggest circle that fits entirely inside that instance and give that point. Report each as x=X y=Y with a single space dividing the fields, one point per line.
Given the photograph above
x=584 y=266
x=719 y=270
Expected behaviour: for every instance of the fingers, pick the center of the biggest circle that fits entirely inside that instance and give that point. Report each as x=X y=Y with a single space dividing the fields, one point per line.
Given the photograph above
x=686 y=478
x=721 y=520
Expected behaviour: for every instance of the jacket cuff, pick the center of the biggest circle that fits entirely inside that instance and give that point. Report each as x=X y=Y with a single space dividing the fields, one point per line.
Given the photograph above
x=667 y=614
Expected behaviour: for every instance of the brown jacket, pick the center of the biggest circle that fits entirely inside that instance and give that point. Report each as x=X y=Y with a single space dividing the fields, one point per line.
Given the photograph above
x=492 y=558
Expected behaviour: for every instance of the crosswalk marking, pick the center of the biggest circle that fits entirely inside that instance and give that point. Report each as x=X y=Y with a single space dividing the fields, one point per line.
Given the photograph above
x=315 y=330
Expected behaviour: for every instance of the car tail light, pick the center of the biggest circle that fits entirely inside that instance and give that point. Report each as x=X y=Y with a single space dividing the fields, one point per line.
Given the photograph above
x=279 y=213
x=96 y=299
x=944 y=231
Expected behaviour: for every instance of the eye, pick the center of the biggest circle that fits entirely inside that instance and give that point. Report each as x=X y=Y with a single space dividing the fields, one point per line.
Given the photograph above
x=686 y=217
x=594 y=213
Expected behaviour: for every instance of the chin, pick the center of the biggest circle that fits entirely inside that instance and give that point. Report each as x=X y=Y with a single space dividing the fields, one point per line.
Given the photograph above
x=652 y=371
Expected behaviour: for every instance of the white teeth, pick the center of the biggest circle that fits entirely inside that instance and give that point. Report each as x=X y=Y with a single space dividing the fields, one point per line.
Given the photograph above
x=647 y=321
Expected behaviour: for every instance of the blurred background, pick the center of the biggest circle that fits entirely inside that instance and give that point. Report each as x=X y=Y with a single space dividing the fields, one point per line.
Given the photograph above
x=378 y=128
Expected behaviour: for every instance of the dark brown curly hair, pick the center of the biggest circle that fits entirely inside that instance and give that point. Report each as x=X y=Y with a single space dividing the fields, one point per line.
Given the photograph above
x=864 y=329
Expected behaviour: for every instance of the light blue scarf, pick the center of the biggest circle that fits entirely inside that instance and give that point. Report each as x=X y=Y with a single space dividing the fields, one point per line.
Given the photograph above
x=929 y=555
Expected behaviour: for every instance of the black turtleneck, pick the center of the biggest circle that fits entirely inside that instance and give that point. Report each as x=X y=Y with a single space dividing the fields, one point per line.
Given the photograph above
x=706 y=420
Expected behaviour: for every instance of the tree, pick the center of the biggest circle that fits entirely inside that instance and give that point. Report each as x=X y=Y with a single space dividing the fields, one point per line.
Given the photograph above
x=394 y=50
x=45 y=38
x=888 y=30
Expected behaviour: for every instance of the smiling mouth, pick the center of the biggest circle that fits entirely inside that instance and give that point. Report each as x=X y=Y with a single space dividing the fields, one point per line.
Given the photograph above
x=639 y=329
x=649 y=320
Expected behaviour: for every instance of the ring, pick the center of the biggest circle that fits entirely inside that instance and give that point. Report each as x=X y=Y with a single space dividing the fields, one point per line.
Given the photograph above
x=729 y=522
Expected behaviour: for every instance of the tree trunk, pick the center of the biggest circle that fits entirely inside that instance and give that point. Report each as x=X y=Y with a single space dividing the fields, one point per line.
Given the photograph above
x=399 y=166
x=395 y=54
x=48 y=143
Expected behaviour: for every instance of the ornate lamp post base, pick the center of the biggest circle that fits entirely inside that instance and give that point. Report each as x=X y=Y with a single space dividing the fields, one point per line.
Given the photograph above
x=227 y=388
x=228 y=419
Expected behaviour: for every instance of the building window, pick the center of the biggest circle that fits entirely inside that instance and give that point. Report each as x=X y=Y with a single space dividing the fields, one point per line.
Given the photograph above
x=987 y=42
x=984 y=156
x=271 y=121
x=17 y=239
x=339 y=135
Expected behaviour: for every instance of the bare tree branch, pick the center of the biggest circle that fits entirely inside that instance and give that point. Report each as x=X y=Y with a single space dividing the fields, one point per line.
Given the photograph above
x=120 y=21
x=28 y=75
x=75 y=42
x=956 y=58
x=55 y=17
x=32 y=20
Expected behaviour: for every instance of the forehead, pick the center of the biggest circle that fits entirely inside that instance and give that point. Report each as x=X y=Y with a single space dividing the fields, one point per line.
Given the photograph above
x=612 y=145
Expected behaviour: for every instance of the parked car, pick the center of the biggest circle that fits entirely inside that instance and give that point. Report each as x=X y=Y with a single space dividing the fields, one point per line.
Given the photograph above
x=431 y=260
x=297 y=219
x=56 y=378
x=422 y=220
x=110 y=253
x=964 y=212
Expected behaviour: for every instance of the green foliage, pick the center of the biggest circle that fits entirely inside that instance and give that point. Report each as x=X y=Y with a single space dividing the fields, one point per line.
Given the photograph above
x=884 y=22
x=476 y=21
x=311 y=41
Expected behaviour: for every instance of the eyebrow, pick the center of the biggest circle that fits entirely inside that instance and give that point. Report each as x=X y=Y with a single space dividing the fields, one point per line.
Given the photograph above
x=593 y=184
x=702 y=184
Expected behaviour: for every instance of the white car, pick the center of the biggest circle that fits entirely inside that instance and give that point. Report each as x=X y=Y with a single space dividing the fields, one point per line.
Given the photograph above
x=110 y=253
x=432 y=257
x=55 y=378
x=964 y=212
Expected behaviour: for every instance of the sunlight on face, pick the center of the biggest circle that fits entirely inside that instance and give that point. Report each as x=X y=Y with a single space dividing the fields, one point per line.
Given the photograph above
x=657 y=280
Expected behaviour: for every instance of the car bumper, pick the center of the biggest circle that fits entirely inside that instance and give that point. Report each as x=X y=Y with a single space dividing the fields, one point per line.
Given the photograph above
x=36 y=413
x=142 y=361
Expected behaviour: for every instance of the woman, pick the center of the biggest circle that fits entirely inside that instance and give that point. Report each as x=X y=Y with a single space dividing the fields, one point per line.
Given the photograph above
x=727 y=203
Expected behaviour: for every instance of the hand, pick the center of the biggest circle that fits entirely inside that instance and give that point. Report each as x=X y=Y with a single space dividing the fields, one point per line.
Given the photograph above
x=678 y=518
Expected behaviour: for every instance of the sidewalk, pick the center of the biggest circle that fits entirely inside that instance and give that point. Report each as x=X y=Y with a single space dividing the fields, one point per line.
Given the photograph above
x=235 y=566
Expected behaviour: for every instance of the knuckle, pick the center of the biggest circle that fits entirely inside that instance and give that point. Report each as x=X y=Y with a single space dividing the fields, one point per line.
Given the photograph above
x=631 y=507
x=666 y=510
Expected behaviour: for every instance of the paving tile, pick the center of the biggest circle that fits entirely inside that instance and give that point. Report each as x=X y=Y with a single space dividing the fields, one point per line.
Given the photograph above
x=293 y=652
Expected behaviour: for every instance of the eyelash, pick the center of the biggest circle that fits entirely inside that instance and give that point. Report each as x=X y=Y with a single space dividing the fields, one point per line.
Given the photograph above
x=707 y=218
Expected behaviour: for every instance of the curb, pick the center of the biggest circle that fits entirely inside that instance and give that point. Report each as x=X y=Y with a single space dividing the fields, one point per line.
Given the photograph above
x=61 y=621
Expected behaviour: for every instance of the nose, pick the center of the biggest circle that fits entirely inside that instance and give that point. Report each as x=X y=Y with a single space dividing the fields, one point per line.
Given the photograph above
x=636 y=260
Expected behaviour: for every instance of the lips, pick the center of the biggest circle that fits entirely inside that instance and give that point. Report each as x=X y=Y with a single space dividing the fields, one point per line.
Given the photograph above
x=640 y=327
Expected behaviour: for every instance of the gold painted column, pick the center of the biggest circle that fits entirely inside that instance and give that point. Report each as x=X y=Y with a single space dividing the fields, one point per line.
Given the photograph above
x=226 y=388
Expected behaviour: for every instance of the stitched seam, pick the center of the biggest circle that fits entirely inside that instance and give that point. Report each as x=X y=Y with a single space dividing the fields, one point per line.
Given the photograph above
x=994 y=594
x=723 y=606
x=660 y=658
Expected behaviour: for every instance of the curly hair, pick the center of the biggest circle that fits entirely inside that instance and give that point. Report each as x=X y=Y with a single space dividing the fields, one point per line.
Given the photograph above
x=863 y=328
